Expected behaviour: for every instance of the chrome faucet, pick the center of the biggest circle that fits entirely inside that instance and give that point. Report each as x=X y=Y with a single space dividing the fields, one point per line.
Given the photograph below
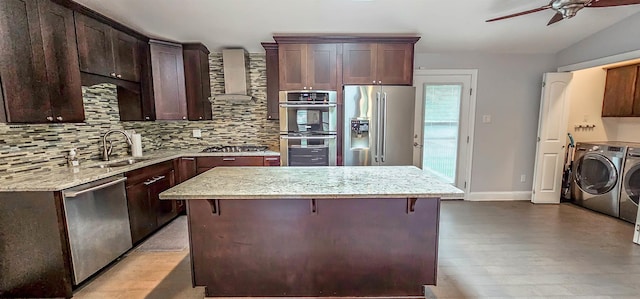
x=106 y=150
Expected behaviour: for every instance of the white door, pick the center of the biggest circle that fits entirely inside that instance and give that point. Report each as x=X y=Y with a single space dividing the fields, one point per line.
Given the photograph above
x=552 y=136
x=443 y=131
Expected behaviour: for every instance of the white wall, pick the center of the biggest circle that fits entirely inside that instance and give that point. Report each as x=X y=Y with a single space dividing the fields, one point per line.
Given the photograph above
x=620 y=38
x=509 y=87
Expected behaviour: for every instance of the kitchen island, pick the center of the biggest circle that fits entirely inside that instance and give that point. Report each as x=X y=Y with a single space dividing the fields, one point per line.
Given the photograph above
x=313 y=231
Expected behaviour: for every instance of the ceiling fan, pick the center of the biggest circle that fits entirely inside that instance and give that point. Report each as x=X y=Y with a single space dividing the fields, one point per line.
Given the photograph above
x=566 y=9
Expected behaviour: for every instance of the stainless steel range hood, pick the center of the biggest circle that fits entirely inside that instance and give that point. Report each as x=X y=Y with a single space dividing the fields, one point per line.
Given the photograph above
x=236 y=80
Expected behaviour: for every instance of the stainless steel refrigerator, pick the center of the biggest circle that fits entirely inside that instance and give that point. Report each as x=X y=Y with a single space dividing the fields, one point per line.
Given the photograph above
x=378 y=125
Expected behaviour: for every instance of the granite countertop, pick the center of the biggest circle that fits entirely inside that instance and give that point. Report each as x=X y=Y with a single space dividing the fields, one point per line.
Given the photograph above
x=312 y=183
x=64 y=178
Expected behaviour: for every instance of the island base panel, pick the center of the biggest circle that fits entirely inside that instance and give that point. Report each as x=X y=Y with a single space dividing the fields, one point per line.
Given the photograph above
x=315 y=248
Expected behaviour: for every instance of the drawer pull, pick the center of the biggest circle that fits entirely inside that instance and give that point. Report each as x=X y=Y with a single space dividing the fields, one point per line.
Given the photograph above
x=228 y=159
x=271 y=159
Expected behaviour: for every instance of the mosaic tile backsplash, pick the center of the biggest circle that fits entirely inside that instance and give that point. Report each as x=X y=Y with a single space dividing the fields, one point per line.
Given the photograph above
x=40 y=148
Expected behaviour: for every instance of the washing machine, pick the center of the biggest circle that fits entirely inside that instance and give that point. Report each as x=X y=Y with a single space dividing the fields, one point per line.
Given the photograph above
x=597 y=172
x=630 y=193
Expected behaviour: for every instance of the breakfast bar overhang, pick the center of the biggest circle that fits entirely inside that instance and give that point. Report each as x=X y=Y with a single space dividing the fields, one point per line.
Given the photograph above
x=313 y=231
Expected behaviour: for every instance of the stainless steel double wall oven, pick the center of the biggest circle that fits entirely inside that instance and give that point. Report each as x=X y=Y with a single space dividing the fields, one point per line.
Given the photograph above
x=308 y=128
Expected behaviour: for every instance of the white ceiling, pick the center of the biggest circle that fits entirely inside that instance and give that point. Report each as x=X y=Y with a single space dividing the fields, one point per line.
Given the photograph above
x=444 y=25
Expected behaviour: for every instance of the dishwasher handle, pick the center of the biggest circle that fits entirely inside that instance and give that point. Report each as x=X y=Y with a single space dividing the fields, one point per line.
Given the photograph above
x=94 y=188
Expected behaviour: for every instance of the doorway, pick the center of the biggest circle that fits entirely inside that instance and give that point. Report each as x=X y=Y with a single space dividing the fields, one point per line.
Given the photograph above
x=443 y=137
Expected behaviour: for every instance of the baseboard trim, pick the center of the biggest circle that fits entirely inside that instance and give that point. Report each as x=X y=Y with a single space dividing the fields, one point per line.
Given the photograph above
x=499 y=196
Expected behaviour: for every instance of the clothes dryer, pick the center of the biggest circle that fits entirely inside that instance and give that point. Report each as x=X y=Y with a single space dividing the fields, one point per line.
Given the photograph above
x=597 y=173
x=630 y=194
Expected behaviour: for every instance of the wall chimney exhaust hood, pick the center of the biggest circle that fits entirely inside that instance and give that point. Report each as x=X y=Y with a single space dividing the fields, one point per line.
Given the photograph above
x=236 y=81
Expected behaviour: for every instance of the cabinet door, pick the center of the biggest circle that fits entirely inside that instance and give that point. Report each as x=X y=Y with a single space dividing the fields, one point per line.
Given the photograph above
x=186 y=169
x=198 y=88
x=23 y=75
x=142 y=213
x=126 y=56
x=273 y=80
x=61 y=58
x=395 y=64
x=359 y=64
x=166 y=209
x=95 y=46
x=619 y=91
x=168 y=82
x=321 y=66
x=293 y=66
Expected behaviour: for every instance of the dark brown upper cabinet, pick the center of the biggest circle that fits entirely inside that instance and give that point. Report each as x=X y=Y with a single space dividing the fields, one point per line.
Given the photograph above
x=39 y=73
x=308 y=66
x=167 y=66
x=106 y=51
x=198 y=86
x=273 y=80
x=378 y=63
x=622 y=92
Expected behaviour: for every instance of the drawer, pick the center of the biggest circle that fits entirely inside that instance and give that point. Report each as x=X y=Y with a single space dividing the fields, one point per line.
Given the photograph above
x=139 y=175
x=210 y=162
x=271 y=161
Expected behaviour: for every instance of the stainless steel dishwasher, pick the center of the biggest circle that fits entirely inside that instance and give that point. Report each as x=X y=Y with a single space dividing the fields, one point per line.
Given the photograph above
x=97 y=224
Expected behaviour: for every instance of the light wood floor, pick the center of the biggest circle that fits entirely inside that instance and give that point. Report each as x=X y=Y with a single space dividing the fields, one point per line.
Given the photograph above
x=487 y=250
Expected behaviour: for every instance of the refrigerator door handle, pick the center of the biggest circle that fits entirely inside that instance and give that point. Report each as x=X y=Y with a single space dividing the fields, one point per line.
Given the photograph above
x=379 y=115
x=384 y=127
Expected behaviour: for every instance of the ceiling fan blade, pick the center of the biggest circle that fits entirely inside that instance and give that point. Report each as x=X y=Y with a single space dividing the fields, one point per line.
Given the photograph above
x=607 y=3
x=520 y=13
x=556 y=18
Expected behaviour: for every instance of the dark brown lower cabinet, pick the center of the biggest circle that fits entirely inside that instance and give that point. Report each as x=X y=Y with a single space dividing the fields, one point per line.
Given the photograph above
x=142 y=211
x=34 y=251
x=187 y=169
x=356 y=247
x=146 y=211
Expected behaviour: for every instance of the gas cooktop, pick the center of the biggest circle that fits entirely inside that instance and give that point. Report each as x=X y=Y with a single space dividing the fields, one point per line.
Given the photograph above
x=236 y=148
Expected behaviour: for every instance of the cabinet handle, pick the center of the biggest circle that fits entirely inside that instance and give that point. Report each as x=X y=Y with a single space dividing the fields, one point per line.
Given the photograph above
x=59 y=118
x=310 y=87
x=184 y=117
x=200 y=117
x=113 y=74
x=271 y=159
x=189 y=159
x=119 y=76
x=50 y=118
x=228 y=159
x=374 y=81
x=147 y=118
x=305 y=88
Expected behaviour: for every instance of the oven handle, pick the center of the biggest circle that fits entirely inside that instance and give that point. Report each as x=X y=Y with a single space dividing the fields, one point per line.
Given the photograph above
x=308 y=105
x=308 y=137
x=105 y=185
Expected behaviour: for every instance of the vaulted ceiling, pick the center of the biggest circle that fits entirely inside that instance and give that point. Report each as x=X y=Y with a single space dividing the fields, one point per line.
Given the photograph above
x=444 y=25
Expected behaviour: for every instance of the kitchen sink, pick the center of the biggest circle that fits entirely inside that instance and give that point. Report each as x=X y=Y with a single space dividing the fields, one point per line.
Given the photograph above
x=126 y=162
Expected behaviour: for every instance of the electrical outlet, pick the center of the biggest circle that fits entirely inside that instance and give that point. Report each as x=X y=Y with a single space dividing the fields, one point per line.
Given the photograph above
x=523 y=178
x=197 y=133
